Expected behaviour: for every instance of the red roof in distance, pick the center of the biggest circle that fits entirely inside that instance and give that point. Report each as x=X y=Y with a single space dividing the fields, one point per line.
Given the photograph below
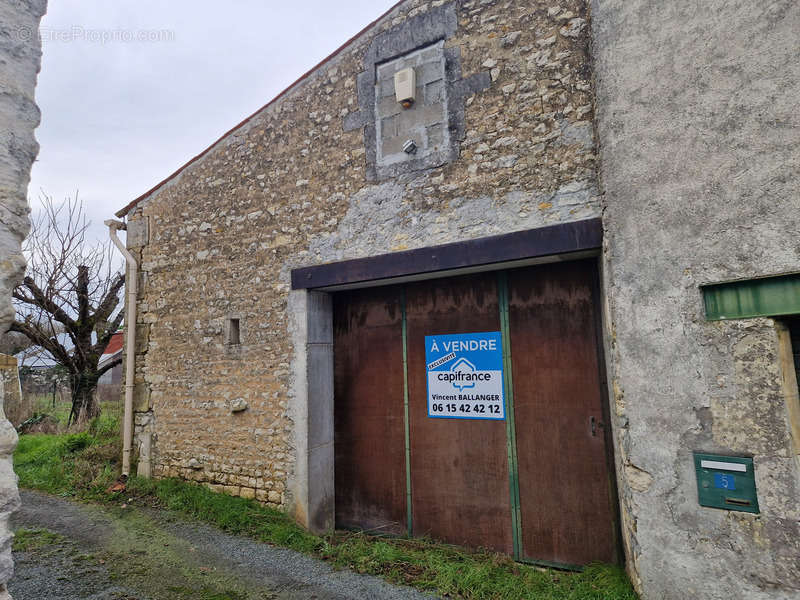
x=115 y=343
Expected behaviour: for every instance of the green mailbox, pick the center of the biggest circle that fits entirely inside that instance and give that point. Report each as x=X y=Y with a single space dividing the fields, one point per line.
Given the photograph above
x=726 y=482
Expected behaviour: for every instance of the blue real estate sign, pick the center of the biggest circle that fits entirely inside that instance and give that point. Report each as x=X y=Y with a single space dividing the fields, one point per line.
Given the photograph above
x=465 y=376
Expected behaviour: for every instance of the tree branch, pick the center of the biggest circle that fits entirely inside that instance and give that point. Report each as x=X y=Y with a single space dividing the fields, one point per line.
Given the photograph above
x=43 y=301
x=82 y=290
x=110 y=300
x=43 y=339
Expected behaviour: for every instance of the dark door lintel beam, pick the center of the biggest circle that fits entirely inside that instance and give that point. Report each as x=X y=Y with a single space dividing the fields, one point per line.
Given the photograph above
x=564 y=238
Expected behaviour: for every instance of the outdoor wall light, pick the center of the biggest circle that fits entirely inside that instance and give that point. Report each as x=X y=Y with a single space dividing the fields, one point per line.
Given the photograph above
x=405 y=87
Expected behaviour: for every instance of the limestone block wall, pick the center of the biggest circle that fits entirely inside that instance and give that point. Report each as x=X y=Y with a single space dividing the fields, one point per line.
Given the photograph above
x=20 y=56
x=297 y=185
x=698 y=132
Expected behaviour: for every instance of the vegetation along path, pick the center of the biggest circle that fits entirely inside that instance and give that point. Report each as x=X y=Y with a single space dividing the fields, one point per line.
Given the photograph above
x=66 y=550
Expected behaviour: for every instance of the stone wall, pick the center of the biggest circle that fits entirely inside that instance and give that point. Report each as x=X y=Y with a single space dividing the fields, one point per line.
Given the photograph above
x=20 y=56
x=298 y=184
x=17 y=407
x=698 y=131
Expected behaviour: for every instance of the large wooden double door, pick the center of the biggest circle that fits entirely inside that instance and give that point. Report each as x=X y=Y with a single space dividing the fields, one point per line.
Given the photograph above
x=537 y=485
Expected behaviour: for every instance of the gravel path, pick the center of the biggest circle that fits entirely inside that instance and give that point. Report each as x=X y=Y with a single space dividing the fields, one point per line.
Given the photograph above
x=146 y=554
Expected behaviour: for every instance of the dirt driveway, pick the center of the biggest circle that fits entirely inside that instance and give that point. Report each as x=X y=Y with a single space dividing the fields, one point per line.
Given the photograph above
x=144 y=554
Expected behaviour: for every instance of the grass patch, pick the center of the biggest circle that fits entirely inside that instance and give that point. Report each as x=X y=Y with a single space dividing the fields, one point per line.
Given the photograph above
x=83 y=465
x=49 y=417
x=205 y=594
x=77 y=464
x=234 y=515
x=30 y=540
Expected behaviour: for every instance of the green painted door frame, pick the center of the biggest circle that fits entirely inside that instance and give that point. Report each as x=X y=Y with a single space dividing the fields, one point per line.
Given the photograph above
x=511 y=433
x=409 y=519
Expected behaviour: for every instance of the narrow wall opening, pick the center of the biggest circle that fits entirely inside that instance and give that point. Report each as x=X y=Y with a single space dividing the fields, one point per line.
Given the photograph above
x=232 y=332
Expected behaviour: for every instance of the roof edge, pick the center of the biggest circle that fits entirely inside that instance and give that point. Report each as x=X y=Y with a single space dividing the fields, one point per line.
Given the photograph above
x=124 y=211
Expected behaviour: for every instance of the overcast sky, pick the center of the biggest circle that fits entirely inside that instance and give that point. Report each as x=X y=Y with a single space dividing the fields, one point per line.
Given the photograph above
x=129 y=91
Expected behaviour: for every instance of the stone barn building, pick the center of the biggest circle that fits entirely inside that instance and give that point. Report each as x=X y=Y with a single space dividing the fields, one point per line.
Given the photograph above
x=512 y=274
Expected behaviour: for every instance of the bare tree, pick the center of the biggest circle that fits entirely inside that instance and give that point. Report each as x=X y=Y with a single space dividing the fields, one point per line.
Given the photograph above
x=68 y=300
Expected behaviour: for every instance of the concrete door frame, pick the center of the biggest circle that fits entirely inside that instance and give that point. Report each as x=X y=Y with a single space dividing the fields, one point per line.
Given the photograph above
x=311 y=486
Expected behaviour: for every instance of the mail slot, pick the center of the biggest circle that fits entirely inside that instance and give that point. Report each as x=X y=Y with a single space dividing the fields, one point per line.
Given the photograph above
x=726 y=482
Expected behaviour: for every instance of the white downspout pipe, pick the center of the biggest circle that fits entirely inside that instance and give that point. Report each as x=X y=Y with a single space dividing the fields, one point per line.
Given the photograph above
x=131 y=282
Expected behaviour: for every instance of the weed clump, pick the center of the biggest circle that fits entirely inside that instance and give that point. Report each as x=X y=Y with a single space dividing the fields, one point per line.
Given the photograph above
x=76 y=442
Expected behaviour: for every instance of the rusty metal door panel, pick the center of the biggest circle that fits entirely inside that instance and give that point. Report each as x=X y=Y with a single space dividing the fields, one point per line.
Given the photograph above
x=368 y=411
x=459 y=468
x=567 y=503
